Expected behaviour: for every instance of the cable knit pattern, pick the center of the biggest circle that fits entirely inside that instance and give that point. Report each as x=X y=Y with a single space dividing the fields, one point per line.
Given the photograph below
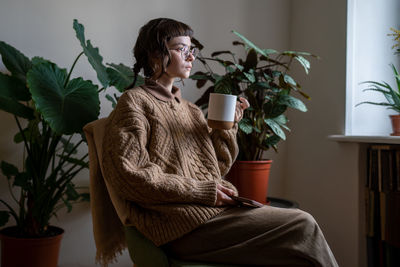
x=160 y=157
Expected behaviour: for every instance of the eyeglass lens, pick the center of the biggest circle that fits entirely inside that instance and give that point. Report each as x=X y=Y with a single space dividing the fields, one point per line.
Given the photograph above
x=187 y=51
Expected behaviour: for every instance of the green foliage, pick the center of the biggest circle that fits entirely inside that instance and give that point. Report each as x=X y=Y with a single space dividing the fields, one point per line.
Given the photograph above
x=92 y=54
x=262 y=77
x=121 y=77
x=50 y=110
x=66 y=108
x=392 y=95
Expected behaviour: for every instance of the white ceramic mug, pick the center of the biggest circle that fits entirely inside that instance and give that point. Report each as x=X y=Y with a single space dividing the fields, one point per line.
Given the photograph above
x=221 y=111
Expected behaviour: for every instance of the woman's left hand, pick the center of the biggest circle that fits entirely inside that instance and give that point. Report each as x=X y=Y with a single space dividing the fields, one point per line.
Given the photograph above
x=241 y=106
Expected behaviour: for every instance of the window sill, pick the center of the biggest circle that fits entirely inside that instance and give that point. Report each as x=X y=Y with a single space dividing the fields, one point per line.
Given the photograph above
x=384 y=139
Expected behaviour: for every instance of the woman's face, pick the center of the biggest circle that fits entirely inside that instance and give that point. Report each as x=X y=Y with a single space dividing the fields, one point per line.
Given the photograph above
x=181 y=59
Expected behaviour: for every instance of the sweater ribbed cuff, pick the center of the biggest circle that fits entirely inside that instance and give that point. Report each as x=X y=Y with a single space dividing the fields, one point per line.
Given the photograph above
x=206 y=193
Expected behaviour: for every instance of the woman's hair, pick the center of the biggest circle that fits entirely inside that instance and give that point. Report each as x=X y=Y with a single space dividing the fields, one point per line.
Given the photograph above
x=151 y=45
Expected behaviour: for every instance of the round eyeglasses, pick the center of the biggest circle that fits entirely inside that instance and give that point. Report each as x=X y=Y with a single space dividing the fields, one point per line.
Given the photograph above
x=186 y=51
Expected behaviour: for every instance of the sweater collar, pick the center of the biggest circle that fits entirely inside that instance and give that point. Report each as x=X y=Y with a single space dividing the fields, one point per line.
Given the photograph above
x=160 y=92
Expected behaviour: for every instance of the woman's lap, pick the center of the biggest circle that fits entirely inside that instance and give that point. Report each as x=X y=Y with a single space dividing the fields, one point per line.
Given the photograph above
x=256 y=236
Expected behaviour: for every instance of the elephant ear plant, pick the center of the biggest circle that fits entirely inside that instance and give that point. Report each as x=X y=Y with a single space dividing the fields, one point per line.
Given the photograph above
x=263 y=78
x=50 y=109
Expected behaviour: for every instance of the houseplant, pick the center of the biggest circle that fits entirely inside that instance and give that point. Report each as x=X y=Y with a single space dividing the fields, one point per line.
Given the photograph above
x=392 y=95
x=262 y=76
x=50 y=109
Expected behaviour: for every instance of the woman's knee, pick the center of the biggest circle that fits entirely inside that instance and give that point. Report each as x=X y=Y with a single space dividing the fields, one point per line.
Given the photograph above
x=306 y=223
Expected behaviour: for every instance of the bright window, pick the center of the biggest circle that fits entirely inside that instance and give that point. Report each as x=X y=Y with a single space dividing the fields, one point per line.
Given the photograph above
x=369 y=54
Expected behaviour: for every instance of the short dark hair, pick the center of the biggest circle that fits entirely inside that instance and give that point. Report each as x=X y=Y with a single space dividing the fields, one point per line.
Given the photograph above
x=152 y=44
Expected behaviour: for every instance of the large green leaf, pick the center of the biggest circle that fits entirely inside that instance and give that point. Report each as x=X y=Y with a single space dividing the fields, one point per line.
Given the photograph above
x=288 y=79
x=246 y=126
x=223 y=85
x=8 y=169
x=68 y=109
x=304 y=62
x=251 y=60
x=16 y=62
x=292 y=102
x=13 y=88
x=251 y=44
x=272 y=110
x=14 y=107
x=271 y=140
x=92 y=54
x=250 y=77
x=275 y=128
x=122 y=76
x=112 y=100
x=23 y=180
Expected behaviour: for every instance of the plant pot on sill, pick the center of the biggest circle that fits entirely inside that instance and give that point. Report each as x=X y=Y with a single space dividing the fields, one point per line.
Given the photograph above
x=32 y=252
x=395 y=124
x=251 y=178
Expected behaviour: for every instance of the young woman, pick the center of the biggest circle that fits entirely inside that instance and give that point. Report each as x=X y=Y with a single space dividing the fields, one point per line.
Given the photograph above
x=166 y=164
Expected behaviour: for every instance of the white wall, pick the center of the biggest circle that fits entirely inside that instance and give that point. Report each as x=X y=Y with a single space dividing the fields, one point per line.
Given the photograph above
x=44 y=28
x=321 y=174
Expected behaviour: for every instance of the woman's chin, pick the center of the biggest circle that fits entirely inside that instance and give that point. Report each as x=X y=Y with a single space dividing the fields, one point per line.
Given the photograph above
x=185 y=75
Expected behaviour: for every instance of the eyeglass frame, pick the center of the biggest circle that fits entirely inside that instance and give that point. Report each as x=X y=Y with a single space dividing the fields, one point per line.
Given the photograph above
x=186 y=51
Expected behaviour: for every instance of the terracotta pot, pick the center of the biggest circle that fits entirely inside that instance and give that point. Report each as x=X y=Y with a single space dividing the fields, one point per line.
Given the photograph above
x=32 y=252
x=251 y=178
x=395 y=124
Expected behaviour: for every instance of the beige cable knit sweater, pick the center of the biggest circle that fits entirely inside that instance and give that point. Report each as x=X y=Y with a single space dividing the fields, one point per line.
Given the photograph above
x=162 y=160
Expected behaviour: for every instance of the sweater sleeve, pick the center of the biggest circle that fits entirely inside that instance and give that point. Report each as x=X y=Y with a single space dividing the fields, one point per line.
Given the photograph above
x=225 y=144
x=129 y=171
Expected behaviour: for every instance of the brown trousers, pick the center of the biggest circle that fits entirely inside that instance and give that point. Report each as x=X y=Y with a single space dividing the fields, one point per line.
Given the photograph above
x=264 y=236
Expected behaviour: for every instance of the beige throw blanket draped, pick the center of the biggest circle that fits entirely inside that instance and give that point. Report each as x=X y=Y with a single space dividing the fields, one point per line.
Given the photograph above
x=107 y=227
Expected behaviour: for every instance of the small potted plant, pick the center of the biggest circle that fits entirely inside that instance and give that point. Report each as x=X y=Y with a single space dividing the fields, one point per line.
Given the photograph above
x=262 y=76
x=50 y=110
x=392 y=95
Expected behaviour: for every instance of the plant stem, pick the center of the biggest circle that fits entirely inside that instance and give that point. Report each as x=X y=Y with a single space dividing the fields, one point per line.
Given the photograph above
x=69 y=154
x=73 y=66
x=23 y=137
x=288 y=65
x=66 y=145
x=11 y=192
x=73 y=166
x=11 y=210
x=46 y=134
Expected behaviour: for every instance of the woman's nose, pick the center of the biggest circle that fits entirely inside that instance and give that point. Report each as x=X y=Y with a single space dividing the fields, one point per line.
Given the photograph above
x=190 y=57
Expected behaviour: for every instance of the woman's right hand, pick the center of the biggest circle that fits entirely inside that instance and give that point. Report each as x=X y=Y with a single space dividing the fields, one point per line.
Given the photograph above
x=223 y=196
